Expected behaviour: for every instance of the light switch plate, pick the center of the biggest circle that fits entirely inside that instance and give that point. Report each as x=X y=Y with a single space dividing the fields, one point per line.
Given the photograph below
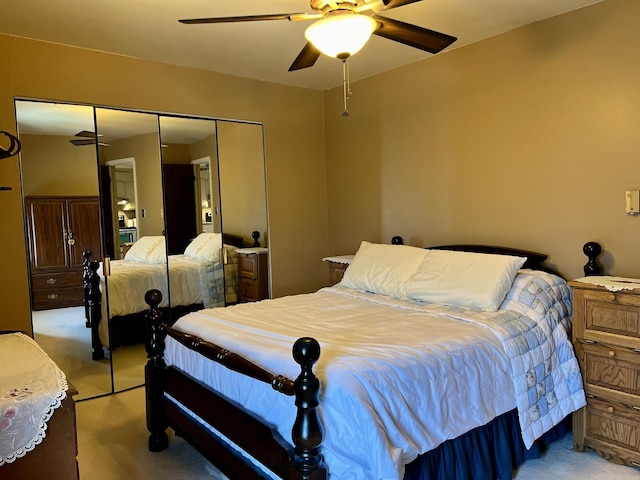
x=632 y=202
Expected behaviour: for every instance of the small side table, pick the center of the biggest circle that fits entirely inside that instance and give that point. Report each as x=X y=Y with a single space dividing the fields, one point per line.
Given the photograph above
x=337 y=266
x=253 y=276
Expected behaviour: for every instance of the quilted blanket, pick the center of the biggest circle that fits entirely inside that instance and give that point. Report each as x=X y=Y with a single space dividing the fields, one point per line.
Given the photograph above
x=534 y=325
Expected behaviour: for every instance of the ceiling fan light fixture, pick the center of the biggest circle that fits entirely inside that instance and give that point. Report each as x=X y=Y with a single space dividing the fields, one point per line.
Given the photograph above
x=341 y=36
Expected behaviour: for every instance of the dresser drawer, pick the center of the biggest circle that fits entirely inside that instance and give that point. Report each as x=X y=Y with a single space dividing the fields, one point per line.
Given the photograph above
x=58 y=298
x=57 y=280
x=611 y=312
x=613 y=428
x=611 y=368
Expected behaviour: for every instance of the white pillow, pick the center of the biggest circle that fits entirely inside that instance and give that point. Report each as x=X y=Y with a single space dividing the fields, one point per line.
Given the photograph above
x=475 y=280
x=148 y=249
x=381 y=268
x=205 y=247
x=196 y=244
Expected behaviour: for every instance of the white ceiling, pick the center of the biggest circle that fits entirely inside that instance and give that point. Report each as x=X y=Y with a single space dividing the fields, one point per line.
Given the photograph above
x=263 y=50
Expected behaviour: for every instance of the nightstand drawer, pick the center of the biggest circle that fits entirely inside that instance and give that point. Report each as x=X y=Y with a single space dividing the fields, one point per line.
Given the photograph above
x=613 y=368
x=253 y=277
x=248 y=266
x=614 y=424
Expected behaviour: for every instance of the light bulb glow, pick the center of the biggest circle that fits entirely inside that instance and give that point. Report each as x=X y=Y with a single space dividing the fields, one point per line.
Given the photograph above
x=341 y=35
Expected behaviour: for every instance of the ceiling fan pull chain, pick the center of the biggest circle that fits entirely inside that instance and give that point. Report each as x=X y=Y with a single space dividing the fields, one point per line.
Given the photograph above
x=346 y=87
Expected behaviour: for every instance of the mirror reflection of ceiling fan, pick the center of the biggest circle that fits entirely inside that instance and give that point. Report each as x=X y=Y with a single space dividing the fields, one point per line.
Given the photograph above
x=87 y=138
x=343 y=27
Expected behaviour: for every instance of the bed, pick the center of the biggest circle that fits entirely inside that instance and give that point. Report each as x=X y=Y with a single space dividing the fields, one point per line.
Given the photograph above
x=204 y=276
x=429 y=363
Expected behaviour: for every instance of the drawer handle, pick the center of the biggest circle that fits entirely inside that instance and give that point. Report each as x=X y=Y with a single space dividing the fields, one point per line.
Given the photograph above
x=51 y=281
x=589 y=342
x=635 y=464
x=612 y=353
x=637 y=350
x=610 y=409
x=52 y=296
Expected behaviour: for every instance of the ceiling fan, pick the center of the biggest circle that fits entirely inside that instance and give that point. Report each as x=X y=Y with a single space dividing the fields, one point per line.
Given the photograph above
x=87 y=138
x=343 y=27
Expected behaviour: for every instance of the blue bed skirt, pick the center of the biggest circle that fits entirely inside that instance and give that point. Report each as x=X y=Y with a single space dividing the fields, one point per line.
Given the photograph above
x=488 y=452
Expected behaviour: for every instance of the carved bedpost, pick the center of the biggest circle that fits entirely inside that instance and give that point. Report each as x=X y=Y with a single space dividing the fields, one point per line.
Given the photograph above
x=154 y=373
x=94 y=307
x=86 y=276
x=307 y=429
x=592 y=250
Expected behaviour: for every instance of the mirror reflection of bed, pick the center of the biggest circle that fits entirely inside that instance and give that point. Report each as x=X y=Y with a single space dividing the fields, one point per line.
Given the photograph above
x=203 y=276
x=127 y=162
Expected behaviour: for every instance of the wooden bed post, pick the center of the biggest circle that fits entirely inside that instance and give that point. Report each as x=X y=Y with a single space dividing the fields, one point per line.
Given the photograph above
x=86 y=276
x=154 y=374
x=307 y=429
x=94 y=307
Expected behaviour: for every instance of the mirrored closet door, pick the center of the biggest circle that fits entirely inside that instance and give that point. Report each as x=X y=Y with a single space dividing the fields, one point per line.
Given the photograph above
x=172 y=202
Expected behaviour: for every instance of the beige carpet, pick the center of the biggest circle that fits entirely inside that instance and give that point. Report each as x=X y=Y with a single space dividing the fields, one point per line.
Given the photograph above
x=112 y=440
x=63 y=335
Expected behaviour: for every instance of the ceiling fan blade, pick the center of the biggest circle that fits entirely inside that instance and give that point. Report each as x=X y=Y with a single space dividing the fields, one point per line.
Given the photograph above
x=412 y=35
x=246 y=18
x=86 y=134
x=389 y=4
x=306 y=58
x=79 y=142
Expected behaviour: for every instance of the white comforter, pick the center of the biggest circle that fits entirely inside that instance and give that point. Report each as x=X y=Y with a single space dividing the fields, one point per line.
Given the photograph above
x=398 y=377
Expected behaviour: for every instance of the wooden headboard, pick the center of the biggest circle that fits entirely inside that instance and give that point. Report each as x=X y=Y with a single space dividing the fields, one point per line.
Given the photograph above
x=233 y=240
x=534 y=261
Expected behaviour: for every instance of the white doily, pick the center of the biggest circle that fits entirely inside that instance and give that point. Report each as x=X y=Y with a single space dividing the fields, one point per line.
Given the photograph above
x=613 y=284
x=31 y=388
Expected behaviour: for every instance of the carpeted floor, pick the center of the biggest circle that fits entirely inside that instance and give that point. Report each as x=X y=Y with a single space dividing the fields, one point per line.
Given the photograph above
x=63 y=334
x=112 y=444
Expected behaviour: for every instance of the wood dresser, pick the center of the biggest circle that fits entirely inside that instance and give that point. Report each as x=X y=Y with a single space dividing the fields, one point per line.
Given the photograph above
x=606 y=336
x=253 y=274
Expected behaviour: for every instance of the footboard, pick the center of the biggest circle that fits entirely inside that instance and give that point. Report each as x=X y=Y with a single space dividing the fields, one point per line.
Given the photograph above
x=170 y=393
x=92 y=303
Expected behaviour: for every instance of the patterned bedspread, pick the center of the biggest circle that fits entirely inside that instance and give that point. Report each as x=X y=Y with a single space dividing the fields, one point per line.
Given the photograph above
x=534 y=324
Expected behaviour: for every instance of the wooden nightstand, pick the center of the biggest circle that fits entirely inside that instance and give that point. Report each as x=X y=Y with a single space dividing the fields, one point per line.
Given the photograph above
x=337 y=267
x=606 y=336
x=253 y=275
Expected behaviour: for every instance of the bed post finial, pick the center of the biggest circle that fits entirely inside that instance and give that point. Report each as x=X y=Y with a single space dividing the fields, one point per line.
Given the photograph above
x=256 y=236
x=154 y=373
x=397 y=240
x=592 y=250
x=307 y=429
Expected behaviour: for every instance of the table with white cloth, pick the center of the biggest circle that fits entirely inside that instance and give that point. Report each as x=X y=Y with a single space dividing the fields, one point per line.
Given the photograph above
x=37 y=413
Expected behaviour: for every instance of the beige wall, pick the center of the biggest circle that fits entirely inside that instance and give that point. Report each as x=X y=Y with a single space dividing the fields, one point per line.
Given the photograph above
x=293 y=120
x=529 y=139
x=51 y=165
